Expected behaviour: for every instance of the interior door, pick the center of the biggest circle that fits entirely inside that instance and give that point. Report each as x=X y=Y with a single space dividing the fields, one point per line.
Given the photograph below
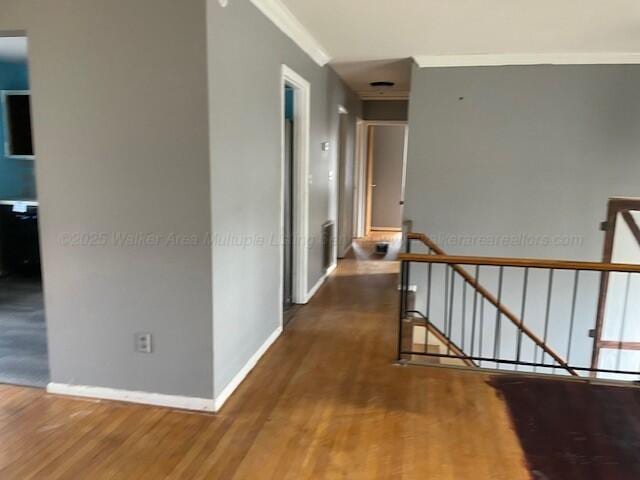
x=288 y=216
x=387 y=157
x=618 y=341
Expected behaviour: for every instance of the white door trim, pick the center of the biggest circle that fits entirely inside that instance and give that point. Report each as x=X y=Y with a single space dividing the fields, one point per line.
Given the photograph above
x=302 y=108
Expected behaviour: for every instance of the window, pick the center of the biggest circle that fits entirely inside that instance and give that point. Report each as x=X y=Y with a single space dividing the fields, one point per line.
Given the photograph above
x=16 y=110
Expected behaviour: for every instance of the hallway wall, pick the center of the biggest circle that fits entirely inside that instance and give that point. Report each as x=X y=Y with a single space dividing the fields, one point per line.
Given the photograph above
x=120 y=121
x=246 y=52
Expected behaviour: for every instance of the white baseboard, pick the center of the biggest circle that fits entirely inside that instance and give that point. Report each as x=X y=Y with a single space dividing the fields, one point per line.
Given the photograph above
x=241 y=375
x=410 y=288
x=346 y=250
x=157 y=399
x=319 y=283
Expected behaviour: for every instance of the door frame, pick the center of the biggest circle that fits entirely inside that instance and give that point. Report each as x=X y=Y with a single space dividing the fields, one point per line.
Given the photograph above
x=339 y=168
x=364 y=171
x=301 y=135
x=615 y=206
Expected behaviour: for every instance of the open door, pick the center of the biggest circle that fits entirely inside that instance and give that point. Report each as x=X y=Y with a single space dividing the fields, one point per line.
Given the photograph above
x=386 y=165
x=617 y=336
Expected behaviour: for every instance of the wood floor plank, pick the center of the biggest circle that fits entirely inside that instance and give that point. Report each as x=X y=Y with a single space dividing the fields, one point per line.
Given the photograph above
x=326 y=402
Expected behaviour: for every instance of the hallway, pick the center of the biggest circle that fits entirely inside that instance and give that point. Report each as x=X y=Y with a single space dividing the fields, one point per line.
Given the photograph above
x=325 y=402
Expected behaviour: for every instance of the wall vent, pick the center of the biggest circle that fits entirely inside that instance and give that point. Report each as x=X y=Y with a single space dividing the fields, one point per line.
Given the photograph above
x=327 y=244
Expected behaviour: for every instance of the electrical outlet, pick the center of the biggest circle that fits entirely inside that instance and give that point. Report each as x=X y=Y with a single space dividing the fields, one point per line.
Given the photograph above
x=143 y=342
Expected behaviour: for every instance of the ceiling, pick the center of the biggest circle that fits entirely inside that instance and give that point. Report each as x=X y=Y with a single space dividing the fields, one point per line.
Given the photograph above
x=376 y=29
x=358 y=75
x=457 y=32
x=13 y=49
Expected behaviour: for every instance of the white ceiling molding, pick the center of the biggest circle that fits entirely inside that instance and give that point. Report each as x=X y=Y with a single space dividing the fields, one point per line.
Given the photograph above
x=481 y=60
x=282 y=17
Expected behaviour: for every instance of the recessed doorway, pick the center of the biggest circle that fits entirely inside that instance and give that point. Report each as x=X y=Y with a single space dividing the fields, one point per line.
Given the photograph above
x=23 y=336
x=295 y=92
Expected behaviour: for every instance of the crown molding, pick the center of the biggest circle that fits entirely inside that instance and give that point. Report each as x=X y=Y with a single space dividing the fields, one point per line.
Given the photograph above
x=281 y=16
x=481 y=60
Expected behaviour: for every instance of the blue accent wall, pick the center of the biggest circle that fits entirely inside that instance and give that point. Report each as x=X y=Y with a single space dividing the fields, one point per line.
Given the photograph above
x=17 y=178
x=288 y=103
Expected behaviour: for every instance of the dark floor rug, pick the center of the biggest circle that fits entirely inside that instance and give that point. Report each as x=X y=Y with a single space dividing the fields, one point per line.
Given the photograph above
x=572 y=430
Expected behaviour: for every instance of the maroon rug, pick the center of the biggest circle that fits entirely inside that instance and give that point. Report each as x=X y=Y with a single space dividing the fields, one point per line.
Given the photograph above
x=571 y=430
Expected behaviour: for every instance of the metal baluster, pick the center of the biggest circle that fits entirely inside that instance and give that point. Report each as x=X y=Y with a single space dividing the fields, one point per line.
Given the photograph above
x=524 y=307
x=496 y=340
x=475 y=307
x=576 y=280
x=482 y=300
x=546 y=318
x=464 y=313
x=446 y=299
x=624 y=320
x=450 y=327
x=426 y=335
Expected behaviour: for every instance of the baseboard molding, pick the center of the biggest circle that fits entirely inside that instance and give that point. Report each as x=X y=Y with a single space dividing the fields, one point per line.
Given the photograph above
x=346 y=250
x=242 y=374
x=410 y=288
x=320 y=282
x=115 y=394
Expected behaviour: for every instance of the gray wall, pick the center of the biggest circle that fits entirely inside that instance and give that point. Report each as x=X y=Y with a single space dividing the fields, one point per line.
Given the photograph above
x=526 y=155
x=346 y=183
x=121 y=137
x=395 y=110
x=522 y=150
x=245 y=57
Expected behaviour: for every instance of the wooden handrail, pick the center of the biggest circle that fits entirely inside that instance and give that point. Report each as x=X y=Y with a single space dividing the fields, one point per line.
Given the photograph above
x=481 y=290
x=522 y=263
x=441 y=257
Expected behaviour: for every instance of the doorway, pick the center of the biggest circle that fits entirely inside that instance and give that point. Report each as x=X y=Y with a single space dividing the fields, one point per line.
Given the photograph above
x=380 y=176
x=289 y=147
x=617 y=342
x=295 y=94
x=23 y=337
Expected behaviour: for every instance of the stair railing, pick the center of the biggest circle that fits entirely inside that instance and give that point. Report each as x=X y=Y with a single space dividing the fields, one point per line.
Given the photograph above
x=486 y=339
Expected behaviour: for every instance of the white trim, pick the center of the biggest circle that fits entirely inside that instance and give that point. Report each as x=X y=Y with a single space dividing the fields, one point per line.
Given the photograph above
x=360 y=173
x=405 y=159
x=115 y=394
x=244 y=371
x=281 y=16
x=346 y=250
x=410 y=288
x=486 y=59
x=320 y=282
x=302 y=122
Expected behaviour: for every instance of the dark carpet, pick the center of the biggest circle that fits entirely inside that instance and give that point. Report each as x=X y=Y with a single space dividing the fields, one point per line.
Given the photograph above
x=572 y=430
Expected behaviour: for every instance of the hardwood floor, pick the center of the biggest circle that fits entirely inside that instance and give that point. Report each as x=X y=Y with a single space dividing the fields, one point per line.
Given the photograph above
x=326 y=402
